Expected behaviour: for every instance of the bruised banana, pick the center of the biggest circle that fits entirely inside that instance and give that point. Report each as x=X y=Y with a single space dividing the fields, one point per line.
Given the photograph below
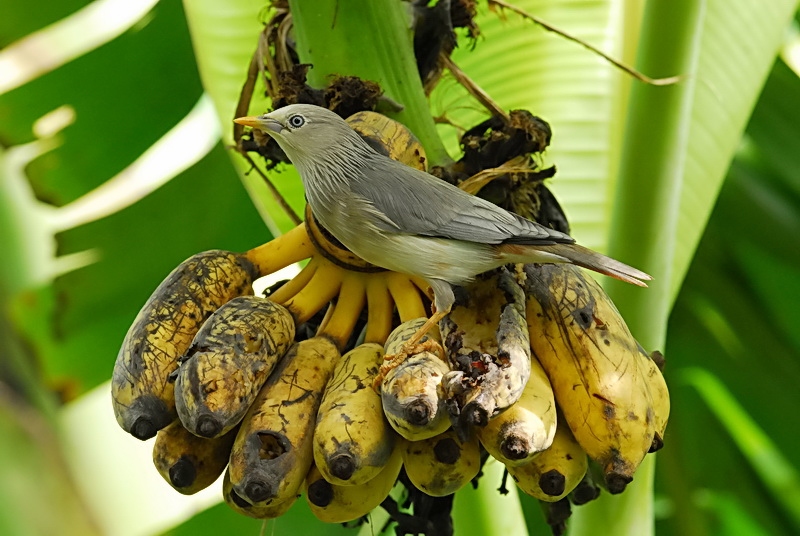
x=660 y=394
x=229 y=360
x=586 y=491
x=273 y=450
x=443 y=464
x=258 y=511
x=526 y=428
x=487 y=336
x=333 y=503
x=189 y=463
x=593 y=362
x=552 y=474
x=410 y=392
x=143 y=397
x=353 y=442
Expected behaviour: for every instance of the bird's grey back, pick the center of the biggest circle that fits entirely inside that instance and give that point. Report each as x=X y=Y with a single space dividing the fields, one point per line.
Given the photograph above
x=415 y=202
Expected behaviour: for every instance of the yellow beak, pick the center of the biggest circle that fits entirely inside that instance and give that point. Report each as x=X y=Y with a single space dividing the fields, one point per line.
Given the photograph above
x=267 y=124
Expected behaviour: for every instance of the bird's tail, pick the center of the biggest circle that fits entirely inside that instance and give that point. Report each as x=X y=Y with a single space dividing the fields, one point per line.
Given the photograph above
x=581 y=256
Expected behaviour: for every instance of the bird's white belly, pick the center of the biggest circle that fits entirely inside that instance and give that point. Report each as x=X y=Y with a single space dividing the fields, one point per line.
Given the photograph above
x=453 y=261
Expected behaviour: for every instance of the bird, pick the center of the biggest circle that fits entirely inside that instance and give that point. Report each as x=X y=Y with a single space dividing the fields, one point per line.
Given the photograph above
x=406 y=220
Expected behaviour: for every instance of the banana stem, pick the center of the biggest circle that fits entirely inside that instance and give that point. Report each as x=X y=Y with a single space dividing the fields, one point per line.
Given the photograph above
x=370 y=40
x=645 y=219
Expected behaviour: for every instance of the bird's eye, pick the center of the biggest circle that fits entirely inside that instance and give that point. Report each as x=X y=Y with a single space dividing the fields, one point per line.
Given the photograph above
x=296 y=121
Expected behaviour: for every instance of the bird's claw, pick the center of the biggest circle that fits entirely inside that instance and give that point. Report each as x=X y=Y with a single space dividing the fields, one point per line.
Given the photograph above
x=391 y=361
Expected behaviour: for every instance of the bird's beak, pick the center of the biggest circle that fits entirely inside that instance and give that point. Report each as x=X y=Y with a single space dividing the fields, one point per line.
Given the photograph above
x=267 y=124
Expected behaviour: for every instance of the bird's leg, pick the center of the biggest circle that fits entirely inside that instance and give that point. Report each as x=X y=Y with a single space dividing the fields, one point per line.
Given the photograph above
x=443 y=303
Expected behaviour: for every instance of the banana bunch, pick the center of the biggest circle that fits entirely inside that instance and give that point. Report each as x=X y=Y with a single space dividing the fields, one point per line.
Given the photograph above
x=610 y=392
x=533 y=366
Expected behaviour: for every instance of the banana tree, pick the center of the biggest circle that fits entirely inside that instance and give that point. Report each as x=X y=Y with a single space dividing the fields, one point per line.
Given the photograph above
x=639 y=170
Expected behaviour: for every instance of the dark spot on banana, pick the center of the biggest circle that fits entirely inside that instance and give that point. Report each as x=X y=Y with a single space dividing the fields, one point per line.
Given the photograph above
x=342 y=466
x=143 y=429
x=515 y=447
x=658 y=359
x=183 y=473
x=258 y=491
x=553 y=482
x=320 y=493
x=208 y=426
x=447 y=451
x=617 y=482
x=271 y=446
x=586 y=491
x=239 y=501
x=152 y=416
x=583 y=318
x=418 y=413
x=658 y=443
x=475 y=414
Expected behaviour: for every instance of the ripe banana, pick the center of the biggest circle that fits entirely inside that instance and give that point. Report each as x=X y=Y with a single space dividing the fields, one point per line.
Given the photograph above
x=229 y=360
x=258 y=511
x=273 y=451
x=389 y=137
x=443 y=464
x=487 y=337
x=594 y=365
x=552 y=474
x=527 y=427
x=659 y=392
x=410 y=392
x=380 y=310
x=187 y=462
x=333 y=503
x=352 y=439
x=282 y=251
x=324 y=284
x=143 y=397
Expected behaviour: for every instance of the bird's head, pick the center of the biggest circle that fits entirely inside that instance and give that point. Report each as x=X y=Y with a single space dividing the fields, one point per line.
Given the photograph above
x=303 y=130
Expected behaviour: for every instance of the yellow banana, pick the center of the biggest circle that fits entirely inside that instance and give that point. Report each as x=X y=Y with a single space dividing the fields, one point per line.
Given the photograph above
x=527 y=427
x=323 y=286
x=659 y=392
x=290 y=288
x=380 y=310
x=410 y=392
x=443 y=464
x=282 y=251
x=347 y=309
x=488 y=339
x=143 y=397
x=406 y=297
x=273 y=449
x=333 y=503
x=593 y=363
x=189 y=463
x=352 y=439
x=229 y=360
x=552 y=474
x=258 y=511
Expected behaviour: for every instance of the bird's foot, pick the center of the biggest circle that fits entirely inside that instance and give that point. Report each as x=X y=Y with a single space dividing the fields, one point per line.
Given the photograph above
x=393 y=360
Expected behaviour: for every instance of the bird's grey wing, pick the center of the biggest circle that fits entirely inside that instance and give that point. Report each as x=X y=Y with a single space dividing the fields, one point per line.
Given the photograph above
x=410 y=201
